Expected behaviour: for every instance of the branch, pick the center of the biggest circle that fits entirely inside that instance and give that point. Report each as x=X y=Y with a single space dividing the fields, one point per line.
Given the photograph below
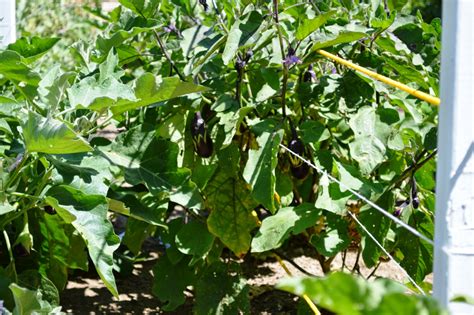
x=173 y=65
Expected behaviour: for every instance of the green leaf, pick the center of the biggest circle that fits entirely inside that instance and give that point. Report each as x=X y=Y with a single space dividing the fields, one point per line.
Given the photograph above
x=145 y=8
x=343 y=293
x=309 y=26
x=136 y=152
x=5 y=207
x=231 y=208
x=147 y=90
x=417 y=254
x=33 y=280
x=52 y=87
x=13 y=68
x=30 y=302
x=277 y=228
x=105 y=44
x=48 y=135
x=170 y=281
x=368 y=151
x=88 y=214
x=335 y=39
x=33 y=48
x=86 y=172
x=10 y=107
x=61 y=247
x=313 y=131
x=102 y=92
x=194 y=239
x=242 y=33
x=331 y=197
x=135 y=234
x=220 y=292
x=259 y=171
x=128 y=205
x=378 y=225
x=334 y=239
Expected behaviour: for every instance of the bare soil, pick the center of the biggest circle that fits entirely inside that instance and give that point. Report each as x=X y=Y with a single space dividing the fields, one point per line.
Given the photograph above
x=86 y=294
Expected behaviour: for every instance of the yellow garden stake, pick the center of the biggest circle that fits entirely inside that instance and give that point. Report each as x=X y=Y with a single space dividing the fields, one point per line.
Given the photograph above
x=311 y=304
x=419 y=94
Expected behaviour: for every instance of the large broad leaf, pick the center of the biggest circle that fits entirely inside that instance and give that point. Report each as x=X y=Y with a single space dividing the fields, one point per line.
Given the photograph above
x=368 y=151
x=85 y=172
x=48 y=135
x=219 y=291
x=194 y=239
x=33 y=48
x=334 y=239
x=332 y=197
x=242 y=33
x=52 y=87
x=111 y=93
x=309 y=26
x=129 y=205
x=278 y=228
x=231 y=216
x=13 y=68
x=88 y=214
x=259 y=171
x=170 y=281
x=61 y=247
x=102 y=92
x=150 y=90
x=136 y=152
x=417 y=254
x=345 y=294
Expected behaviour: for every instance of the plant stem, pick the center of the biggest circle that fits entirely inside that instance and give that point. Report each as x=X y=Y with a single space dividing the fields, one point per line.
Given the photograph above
x=282 y=49
x=412 y=169
x=374 y=270
x=165 y=52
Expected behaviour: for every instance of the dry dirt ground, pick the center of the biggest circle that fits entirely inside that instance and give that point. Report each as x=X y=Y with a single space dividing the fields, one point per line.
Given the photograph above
x=85 y=294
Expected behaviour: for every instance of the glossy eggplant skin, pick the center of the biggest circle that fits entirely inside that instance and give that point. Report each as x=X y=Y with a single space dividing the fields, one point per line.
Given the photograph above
x=49 y=210
x=299 y=169
x=202 y=141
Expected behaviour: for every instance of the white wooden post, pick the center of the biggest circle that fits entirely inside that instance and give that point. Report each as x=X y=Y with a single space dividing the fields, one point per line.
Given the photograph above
x=454 y=230
x=7 y=22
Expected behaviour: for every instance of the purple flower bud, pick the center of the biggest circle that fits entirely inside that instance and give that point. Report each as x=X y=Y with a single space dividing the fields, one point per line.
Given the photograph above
x=400 y=205
x=333 y=70
x=240 y=64
x=170 y=28
x=291 y=58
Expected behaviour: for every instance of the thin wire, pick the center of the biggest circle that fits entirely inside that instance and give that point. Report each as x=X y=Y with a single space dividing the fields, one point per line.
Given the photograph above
x=372 y=204
x=387 y=253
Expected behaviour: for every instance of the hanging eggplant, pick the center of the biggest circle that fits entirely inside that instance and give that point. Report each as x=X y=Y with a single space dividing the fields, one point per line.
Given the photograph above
x=299 y=169
x=201 y=139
